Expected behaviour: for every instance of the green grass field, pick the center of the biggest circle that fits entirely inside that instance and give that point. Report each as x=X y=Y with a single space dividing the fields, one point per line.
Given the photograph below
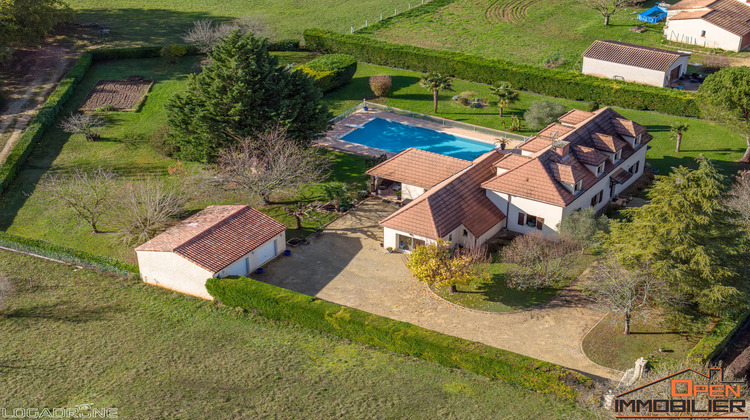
x=73 y=336
x=608 y=346
x=159 y=22
x=523 y=31
x=496 y=296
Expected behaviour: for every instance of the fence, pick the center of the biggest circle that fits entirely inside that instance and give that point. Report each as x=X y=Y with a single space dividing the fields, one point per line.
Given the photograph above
x=379 y=17
x=432 y=119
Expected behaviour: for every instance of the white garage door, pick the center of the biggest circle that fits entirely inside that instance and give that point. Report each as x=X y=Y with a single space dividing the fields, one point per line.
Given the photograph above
x=266 y=252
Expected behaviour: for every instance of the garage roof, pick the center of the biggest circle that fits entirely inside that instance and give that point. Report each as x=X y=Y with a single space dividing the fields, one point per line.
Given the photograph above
x=217 y=236
x=632 y=55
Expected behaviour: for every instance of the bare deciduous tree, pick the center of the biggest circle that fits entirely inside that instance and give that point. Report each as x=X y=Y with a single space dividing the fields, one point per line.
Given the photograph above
x=534 y=261
x=606 y=8
x=629 y=293
x=206 y=34
x=83 y=123
x=270 y=163
x=300 y=211
x=148 y=206
x=89 y=194
x=739 y=196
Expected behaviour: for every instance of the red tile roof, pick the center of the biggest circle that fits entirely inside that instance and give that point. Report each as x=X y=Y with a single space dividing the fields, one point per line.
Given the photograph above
x=511 y=161
x=730 y=15
x=633 y=55
x=535 y=144
x=565 y=173
x=621 y=175
x=629 y=128
x=458 y=200
x=419 y=167
x=217 y=236
x=589 y=155
x=555 y=130
x=575 y=117
x=607 y=143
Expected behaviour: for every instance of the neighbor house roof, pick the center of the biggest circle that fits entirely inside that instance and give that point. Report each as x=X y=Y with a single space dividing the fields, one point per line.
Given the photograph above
x=217 y=236
x=419 y=167
x=459 y=200
x=633 y=55
x=730 y=15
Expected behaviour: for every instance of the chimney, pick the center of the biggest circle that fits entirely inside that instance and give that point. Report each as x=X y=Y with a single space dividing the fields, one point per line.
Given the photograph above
x=561 y=147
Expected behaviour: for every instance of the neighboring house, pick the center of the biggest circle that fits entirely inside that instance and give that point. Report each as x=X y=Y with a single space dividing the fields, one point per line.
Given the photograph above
x=585 y=160
x=634 y=63
x=721 y=24
x=218 y=241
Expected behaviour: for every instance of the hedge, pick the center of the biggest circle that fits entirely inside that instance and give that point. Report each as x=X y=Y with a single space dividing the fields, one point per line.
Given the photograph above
x=550 y=82
x=66 y=254
x=399 y=337
x=43 y=119
x=711 y=346
x=330 y=71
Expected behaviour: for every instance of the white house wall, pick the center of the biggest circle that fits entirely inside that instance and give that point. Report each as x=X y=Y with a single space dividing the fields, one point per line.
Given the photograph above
x=688 y=31
x=390 y=237
x=609 y=70
x=551 y=213
x=240 y=267
x=173 y=272
x=411 y=192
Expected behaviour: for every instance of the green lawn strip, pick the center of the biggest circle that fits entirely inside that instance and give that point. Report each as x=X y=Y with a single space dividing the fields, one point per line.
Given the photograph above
x=606 y=345
x=78 y=337
x=565 y=27
x=134 y=22
x=497 y=296
x=400 y=337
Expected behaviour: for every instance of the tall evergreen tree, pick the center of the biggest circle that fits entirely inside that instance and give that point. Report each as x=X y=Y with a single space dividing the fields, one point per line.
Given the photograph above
x=689 y=237
x=243 y=90
x=725 y=97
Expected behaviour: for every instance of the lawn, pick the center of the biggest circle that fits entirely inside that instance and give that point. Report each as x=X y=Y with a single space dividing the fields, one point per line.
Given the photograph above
x=496 y=296
x=606 y=345
x=125 y=147
x=73 y=336
x=519 y=30
x=160 y=22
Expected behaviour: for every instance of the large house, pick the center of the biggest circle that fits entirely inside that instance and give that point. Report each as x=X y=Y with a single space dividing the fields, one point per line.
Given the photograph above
x=584 y=160
x=721 y=24
x=218 y=241
x=634 y=63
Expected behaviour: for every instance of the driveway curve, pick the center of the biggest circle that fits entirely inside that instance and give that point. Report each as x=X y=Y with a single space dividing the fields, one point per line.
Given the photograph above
x=347 y=265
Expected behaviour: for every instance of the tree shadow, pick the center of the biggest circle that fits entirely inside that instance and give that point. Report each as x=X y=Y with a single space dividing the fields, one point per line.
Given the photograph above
x=63 y=312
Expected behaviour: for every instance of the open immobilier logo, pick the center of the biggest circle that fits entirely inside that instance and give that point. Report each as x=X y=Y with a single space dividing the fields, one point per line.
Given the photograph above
x=685 y=394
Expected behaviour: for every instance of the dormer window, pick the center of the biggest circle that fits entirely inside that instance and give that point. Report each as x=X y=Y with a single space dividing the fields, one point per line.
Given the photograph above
x=577 y=187
x=637 y=140
x=600 y=169
x=618 y=155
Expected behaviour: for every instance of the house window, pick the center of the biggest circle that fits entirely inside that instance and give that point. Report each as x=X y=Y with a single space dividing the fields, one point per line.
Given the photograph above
x=521 y=219
x=539 y=223
x=597 y=198
x=466 y=233
x=450 y=238
x=637 y=140
x=531 y=221
x=703 y=34
x=634 y=168
x=578 y=186
x=618 y=155
x=599 y=169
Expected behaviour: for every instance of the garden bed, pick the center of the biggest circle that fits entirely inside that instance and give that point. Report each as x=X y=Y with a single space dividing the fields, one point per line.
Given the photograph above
x=123 y=95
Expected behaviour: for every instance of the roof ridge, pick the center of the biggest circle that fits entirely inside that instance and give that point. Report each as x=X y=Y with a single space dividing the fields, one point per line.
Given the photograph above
x=643 y=47
x=221 y=222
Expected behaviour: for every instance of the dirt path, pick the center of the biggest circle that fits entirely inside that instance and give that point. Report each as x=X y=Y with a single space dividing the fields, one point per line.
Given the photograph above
x=346 y=265
x=36 y=75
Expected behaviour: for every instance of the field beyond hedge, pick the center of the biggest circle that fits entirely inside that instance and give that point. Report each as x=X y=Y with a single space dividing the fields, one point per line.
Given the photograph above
x=74 y=336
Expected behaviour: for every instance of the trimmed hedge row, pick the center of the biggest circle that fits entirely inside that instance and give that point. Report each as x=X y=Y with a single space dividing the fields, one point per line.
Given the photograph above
x=400 y=337
x=43 y=119
x=551 y=82
x=717 y=339
x=66 y=254
x=330 y=71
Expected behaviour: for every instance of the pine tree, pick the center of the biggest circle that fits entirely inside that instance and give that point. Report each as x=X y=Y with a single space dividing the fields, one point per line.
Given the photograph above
x=243 y=90
x=689 y=237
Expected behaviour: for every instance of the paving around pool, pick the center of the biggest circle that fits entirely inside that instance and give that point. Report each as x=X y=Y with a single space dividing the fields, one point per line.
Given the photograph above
x=374 y=132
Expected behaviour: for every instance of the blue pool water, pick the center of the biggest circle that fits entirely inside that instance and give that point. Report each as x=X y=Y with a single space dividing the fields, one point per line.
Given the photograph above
x=395 y=137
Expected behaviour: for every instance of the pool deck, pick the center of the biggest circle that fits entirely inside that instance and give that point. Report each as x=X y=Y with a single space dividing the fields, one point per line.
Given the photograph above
x=332 y=139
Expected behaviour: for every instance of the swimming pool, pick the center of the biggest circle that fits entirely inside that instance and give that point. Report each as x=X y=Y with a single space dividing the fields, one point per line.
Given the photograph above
x=394 y=137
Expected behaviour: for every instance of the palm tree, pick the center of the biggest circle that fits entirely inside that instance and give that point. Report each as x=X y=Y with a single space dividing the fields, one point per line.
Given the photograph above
x=436 y=82
x=506 y=96
x=678 y=128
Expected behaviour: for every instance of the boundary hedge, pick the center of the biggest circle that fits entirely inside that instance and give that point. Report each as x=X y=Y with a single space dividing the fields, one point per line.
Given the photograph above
x=399 y=337
x=66 y=254
x=550 y=82
x=330 y=71
x=711 y=346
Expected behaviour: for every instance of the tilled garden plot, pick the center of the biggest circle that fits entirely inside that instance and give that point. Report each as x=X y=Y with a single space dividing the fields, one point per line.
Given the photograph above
x=124 y=95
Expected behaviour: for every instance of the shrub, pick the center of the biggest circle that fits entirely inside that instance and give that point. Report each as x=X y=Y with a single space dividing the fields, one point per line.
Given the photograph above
x=400 y=337
x=592 y=106
x=553 y=61
x=542 y=113
x=106 y=108
x=552 y=82
x=331 y=71
x=171 y=53
x=284 y=45
x=381 y=85
x=160 y=144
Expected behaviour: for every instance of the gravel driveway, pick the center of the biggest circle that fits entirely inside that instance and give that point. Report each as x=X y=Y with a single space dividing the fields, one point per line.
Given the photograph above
x=347 y=265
